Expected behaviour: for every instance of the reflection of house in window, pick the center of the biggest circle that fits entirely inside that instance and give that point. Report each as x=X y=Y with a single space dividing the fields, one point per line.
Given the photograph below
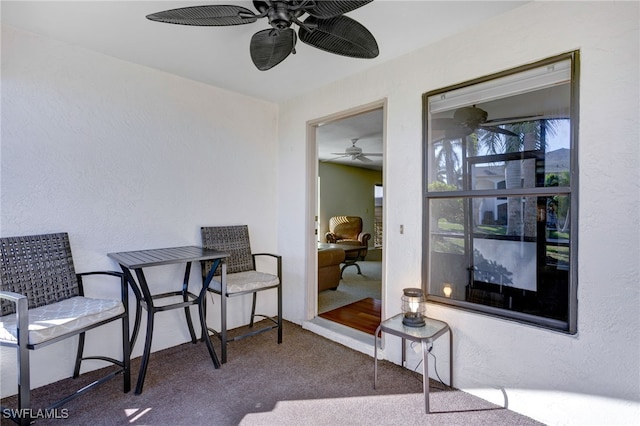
x=493 y=211
x=490 y=177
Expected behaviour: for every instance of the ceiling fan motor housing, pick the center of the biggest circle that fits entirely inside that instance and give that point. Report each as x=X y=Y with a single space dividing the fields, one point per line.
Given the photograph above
x=470 y=116
x=353 y=150
x=280 y=17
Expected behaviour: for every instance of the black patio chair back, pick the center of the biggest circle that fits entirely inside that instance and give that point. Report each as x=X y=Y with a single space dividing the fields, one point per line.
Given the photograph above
x=42 y=302
x=242 y=278
x=39 y=267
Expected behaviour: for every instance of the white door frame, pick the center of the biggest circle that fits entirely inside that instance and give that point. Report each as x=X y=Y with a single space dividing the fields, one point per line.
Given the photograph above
x=311 y=309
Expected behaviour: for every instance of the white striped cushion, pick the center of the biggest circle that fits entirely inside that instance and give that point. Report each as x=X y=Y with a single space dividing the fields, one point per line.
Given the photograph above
x=245 y=281
x=50 y=321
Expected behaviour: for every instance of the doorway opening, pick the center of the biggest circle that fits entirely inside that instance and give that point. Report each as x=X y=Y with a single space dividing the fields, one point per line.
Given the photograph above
x=349 y=217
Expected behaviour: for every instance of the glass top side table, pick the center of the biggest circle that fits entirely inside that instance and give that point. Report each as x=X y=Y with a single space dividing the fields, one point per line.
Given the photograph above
x=425 y=335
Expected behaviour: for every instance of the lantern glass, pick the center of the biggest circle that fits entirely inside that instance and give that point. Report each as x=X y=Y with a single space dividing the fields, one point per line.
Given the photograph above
x=413 y=307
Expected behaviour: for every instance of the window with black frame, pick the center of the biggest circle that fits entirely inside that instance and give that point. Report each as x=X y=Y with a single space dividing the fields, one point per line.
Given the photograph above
x=500 y=194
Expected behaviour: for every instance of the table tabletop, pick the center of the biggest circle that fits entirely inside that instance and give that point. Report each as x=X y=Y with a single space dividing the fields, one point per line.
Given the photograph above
x=345 y=247
x=430 y=331
x=165 y=256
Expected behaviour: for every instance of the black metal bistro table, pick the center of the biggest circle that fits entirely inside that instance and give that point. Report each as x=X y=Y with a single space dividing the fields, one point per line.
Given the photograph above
x=426 y=336
x=137 y=260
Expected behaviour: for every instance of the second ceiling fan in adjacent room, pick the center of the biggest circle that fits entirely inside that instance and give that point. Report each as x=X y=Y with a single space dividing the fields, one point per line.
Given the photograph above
x=355 y=152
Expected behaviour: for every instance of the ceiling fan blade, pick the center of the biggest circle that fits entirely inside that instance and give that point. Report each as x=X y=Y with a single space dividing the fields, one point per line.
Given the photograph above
x=457 y=132
x=340 y=35
x=261 y=6
x=334 y=158
x=363 y=159
x=451 y=127
x=270 y=47
x=511 y=120
x=443 y=123
x=496 y=129
x=330 y=9
x=216 y=15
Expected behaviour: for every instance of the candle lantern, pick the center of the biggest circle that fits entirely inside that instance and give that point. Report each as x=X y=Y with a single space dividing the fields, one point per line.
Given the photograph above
x=413 y=307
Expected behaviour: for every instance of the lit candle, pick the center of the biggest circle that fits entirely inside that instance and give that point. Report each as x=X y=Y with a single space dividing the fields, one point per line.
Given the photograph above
x=447 y=289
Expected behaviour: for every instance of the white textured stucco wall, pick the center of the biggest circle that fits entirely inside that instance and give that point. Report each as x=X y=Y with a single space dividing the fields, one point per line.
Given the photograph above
x=589 y=378
x=124 y=157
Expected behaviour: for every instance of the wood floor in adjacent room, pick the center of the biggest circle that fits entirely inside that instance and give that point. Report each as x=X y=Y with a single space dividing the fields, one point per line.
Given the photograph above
x=357 y=300
x=363 y=315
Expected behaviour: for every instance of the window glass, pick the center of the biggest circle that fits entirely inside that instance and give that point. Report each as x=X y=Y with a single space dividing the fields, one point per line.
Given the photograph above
x=447 y=226
x=500 y=210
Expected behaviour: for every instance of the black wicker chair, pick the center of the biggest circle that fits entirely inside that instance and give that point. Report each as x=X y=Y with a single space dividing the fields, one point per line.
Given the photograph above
x=42 y=302
x=242 y=278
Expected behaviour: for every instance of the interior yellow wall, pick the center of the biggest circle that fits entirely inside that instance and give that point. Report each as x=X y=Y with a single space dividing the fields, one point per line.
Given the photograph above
x=346 y=190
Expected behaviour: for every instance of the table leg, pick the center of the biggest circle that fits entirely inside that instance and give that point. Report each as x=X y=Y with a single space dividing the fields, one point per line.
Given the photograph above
x=147 y=343
x=136 y=292
x=145 y=355
x=404 y=353
x=450 y=358
x=425 y=376
x=202 y=311
x=185 y=298
x=207 y=339
x=350 y=263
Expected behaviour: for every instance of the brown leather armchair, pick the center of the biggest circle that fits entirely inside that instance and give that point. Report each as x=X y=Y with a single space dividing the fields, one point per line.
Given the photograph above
x=348 y=230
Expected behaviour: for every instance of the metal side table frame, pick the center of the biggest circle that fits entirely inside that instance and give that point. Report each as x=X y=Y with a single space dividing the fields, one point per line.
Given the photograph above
x=424 y=335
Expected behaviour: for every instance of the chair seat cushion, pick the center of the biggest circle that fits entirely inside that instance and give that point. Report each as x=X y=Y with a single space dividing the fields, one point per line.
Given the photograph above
x=245 y=281
x=53 y=320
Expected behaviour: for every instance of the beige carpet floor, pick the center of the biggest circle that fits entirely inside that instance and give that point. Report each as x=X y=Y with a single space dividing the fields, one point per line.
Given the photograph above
x=307 y=380
x=353 y=287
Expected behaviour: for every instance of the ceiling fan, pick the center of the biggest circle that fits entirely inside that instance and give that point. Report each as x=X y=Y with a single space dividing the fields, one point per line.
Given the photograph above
x=355 y=152
x=325 y=28
x=466 y=120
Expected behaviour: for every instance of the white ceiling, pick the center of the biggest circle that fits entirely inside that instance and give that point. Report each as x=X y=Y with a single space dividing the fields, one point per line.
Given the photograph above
x=219 y=56
x=334 y=137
